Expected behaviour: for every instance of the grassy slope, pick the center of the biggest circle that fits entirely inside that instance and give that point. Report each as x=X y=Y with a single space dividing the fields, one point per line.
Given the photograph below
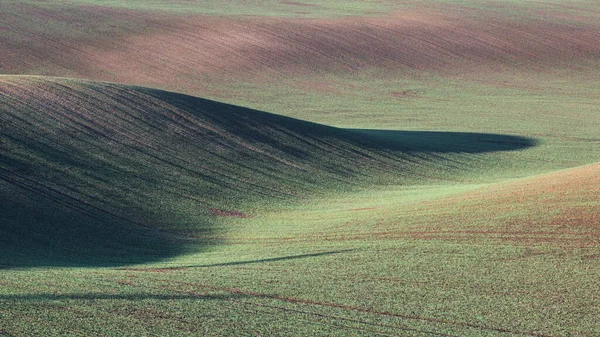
x=456 y=257
x=351 y=269
x=173 y=163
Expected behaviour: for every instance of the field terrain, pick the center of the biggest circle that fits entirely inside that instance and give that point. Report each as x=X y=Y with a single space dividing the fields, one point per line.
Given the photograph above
x=274 y=168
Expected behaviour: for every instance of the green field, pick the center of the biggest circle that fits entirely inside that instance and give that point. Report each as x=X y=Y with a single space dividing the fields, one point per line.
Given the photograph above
x=299 y=168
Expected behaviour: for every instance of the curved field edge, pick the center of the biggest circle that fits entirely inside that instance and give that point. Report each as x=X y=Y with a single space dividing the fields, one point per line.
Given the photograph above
x=99 y=170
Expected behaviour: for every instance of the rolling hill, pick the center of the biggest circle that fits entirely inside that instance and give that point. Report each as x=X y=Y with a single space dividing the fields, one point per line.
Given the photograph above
x=98 y=163
x=309 y=168
x=189 y=51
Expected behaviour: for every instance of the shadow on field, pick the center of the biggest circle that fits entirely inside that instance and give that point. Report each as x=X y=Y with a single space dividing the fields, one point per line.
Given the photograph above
x=236 y=263
x=40 y=227
x=242 y=119
x=276 y=259
x=99 y=174
x=444 y=142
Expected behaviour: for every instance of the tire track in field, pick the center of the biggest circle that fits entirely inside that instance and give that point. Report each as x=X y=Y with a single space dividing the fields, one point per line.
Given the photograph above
x=284 y=309
x=295 y=300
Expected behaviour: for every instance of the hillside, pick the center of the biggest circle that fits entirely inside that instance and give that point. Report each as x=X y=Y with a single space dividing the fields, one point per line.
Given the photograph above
x=189 y=51
x=555 y=210
x=558 y=209
x=154 y=165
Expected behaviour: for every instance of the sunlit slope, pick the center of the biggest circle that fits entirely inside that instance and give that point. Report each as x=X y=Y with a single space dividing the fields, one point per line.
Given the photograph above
x=77 y=156
x=556 y=209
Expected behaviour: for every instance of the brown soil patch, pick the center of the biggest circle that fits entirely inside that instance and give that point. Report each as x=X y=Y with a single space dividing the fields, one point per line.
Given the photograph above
x=406 y=93
x=226 y=213
x=295 y=3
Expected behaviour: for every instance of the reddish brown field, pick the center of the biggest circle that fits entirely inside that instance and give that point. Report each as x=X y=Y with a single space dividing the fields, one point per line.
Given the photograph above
x=186 y=52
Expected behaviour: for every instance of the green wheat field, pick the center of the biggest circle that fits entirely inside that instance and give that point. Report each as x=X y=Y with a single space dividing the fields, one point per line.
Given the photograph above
x=300 y=168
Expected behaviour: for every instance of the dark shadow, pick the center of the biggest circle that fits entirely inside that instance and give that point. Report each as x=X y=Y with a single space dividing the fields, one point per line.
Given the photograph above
x=275 y=259
x=41 y=227
x=444 y=142
x=116 y=175
x=236 y=263
x=241 y=120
